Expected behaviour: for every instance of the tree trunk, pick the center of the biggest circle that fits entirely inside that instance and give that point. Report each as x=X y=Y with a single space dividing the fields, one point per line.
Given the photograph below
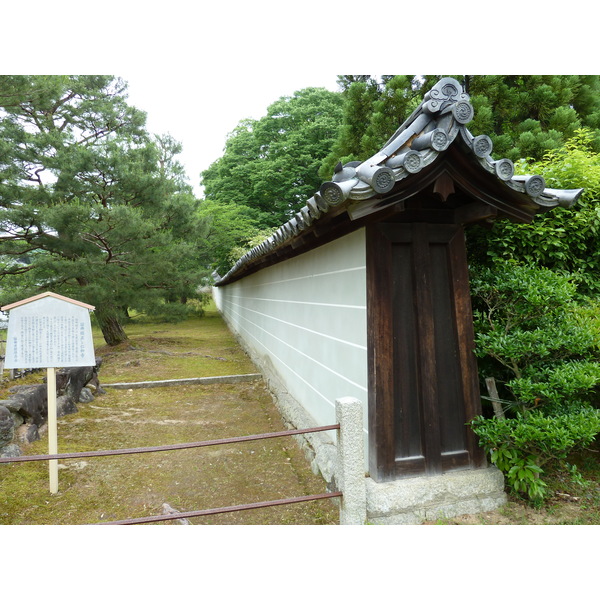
x=111 y=327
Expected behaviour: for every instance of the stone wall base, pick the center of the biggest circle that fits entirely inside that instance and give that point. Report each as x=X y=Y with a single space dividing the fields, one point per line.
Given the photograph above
x=413 y=500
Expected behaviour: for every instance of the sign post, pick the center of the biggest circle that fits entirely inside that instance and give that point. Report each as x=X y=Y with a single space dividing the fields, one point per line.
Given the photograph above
x=52 y=429
x=49 y=331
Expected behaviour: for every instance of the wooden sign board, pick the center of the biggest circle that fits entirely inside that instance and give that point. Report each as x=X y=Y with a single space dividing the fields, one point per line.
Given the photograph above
x=49 y=331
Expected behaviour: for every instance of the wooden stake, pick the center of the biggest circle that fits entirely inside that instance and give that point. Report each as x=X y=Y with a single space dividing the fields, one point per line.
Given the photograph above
x=490 y=383
x=52 y=429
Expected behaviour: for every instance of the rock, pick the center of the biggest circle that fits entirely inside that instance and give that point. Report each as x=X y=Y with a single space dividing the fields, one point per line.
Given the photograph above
x=71 y=381
x=27 y=433
x=10 y=451
x=65 y=405
x=86 y=396
x=169 y=510
x=78 y=466
x=30 y=401
x=25 y=411
x=7 y=427
x=18 y=419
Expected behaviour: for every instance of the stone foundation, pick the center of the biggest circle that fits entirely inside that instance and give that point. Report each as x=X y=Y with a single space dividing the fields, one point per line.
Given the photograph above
x=413 y=500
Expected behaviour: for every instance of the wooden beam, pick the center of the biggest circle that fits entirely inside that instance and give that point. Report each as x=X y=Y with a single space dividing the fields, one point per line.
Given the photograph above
x=444 y=186
x=473 y=212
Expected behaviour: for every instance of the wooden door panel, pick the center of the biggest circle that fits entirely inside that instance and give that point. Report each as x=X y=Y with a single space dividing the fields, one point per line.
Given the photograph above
x=423 y=391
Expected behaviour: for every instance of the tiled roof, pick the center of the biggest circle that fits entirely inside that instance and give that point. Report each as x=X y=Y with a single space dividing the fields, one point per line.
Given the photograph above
x=438 y=122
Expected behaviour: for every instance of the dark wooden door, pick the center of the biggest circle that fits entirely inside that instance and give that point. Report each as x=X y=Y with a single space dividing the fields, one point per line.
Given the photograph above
x=423 y=376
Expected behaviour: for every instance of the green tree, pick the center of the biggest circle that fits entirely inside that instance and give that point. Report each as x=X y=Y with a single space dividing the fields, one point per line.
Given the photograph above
x=527 y=115
x=535 y=336
x=373 y=109
x=228 y=226
x=92 y=206
x=271 y=164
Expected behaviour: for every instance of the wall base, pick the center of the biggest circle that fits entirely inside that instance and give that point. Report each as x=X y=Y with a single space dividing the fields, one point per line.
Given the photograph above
x=413 y=500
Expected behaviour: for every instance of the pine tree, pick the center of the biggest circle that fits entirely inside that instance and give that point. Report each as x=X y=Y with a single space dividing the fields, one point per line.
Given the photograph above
x=93 y=207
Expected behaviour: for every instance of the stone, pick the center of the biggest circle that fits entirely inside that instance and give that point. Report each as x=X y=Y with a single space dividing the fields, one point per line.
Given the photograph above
x=10 y=451
x=18 y=419
x=72 y=380
x=23 y=415
x=7 y=427
x=27 y=433
x=413 y=500
x=86 y=396
x=30 y=401
x=350 y=471
x=65 y=405
x=169 y=510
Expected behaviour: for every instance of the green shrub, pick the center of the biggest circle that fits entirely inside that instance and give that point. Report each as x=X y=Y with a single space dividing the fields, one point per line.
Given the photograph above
x=535 y=336
x=539 y=340
x=520 y=446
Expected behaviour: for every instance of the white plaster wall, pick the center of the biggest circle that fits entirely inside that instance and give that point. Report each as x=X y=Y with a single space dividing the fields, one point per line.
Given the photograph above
x=307 y=316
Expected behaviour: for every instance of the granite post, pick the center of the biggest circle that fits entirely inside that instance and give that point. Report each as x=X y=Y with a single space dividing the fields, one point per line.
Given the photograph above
x=350 y=472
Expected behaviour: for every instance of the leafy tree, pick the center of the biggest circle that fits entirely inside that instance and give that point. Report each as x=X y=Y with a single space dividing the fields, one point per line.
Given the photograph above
x=228 y=226
x=92 y=207
x=271 y=164
x=534 y=336
x=373 y=110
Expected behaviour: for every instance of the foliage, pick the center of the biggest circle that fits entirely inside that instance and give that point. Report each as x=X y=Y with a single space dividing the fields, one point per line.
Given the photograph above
x=238 y=251
x=521 y=446
x=93 y=206
x=229 y=226
x=541 y=345
x=565 y=240
x=527 y=115
x=360 y=94
x=533 y=336
x=524 y=115
x=372 y=112
x=271 y=164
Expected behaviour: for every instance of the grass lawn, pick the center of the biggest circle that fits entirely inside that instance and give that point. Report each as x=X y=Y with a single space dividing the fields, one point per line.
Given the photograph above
x=198 y=347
